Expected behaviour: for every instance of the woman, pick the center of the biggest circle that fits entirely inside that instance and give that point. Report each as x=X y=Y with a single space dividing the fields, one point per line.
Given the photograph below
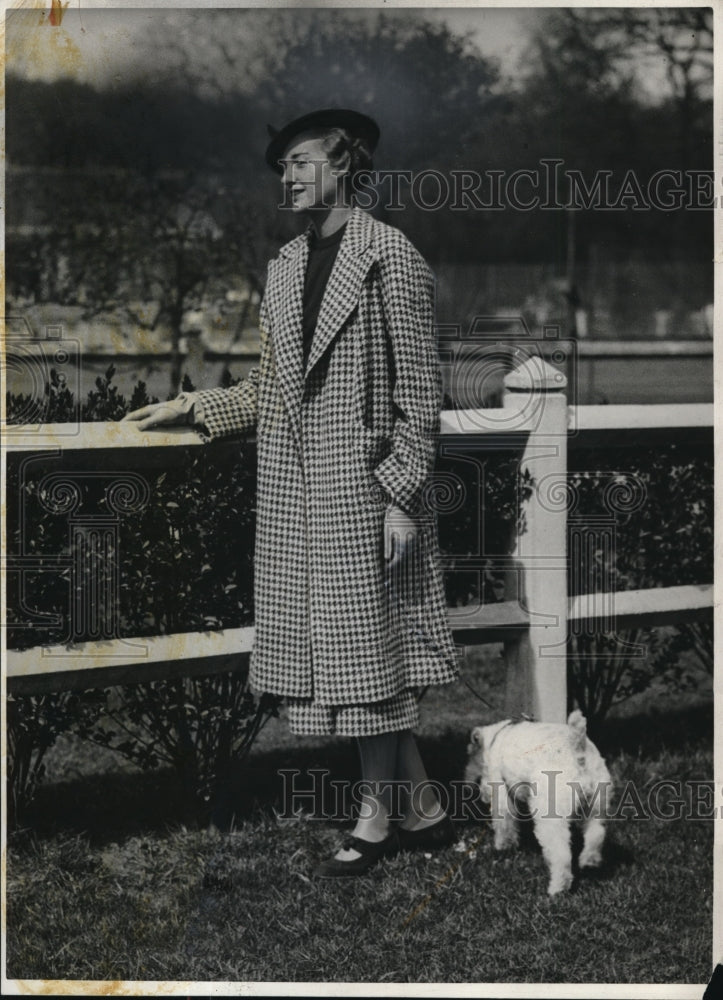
x=350 y=612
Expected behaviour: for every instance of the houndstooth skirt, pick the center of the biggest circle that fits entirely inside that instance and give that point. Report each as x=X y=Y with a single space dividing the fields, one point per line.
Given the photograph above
x=307 y=717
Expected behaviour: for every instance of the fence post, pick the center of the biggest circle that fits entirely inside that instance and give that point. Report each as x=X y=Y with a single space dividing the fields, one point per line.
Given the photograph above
x=537 y=660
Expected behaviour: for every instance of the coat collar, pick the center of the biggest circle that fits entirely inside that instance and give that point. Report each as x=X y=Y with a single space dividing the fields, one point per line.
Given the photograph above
x=354 y=258
x=356 y=239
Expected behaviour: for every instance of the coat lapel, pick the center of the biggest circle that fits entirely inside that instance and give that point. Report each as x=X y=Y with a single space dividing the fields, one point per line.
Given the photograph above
x=352 y=263
x=285 y=295
x=286 y=285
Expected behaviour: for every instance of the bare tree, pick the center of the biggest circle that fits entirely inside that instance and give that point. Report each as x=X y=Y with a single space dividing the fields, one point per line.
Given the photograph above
x=658 y=54
x=427 y=84
x=151 y=249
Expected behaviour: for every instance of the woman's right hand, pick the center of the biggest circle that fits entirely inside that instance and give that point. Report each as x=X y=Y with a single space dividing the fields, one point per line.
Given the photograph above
x=401 y=533
x=174 y=411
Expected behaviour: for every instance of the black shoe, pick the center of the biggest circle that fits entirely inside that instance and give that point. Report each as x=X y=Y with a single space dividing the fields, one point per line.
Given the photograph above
x=369 y=854
x=439 y=834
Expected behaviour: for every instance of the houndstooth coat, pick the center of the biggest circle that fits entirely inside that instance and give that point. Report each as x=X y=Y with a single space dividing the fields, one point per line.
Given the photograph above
x=338 y=445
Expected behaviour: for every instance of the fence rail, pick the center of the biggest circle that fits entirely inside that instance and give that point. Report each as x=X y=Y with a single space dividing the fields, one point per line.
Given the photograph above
x=588 y=426
x=533 y=620
x=80 y=666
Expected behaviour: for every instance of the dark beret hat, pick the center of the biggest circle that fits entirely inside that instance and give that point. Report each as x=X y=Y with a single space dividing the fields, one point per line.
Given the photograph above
x=361 y=126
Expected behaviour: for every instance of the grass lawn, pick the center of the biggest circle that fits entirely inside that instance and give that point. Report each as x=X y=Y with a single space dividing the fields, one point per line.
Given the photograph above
x=113 y=880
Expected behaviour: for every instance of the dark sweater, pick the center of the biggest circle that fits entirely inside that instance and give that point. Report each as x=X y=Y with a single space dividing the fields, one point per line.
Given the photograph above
x=322 y=254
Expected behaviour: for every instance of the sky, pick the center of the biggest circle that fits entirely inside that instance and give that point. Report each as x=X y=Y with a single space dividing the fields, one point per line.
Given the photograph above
x=100 y=44
x=104 y=42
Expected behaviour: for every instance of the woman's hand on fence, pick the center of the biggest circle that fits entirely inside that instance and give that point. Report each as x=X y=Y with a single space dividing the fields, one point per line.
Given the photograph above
x=400 y=535
x=174 y=411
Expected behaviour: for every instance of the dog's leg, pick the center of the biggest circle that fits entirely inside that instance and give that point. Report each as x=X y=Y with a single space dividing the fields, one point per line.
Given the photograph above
x=593 y=837
x=553 y=836
x=504 y=821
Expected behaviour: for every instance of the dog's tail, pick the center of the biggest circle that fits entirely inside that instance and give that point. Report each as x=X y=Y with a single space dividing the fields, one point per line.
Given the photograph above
x=578 y=731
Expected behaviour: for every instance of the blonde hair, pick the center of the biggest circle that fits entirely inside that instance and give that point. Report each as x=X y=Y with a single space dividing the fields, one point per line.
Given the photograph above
x=337 y=142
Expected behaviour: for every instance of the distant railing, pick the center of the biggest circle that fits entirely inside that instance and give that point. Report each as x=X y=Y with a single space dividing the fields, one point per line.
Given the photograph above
x=533 y=621
x=584 y=348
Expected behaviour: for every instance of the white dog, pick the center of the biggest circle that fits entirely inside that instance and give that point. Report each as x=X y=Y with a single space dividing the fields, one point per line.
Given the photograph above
x=560 y=776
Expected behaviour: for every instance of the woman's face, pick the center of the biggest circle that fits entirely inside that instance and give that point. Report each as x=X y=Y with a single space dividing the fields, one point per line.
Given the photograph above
x=309 y=179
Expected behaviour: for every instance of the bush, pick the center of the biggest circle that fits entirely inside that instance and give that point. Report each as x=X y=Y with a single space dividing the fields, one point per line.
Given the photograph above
x=203 y=727
x=185 y=564
x=185 y=558
x=59 y=406
x=661 y=506
x=34 y=724
x=479 y=512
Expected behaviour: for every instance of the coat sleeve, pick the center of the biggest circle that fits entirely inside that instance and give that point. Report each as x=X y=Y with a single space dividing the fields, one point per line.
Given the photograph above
x=225 y=412
x=407 y=288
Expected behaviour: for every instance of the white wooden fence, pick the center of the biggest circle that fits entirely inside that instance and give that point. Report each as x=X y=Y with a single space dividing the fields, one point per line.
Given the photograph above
x=532 y=621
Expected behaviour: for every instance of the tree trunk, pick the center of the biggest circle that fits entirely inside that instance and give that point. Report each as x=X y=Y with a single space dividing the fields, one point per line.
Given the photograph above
x=176 y=359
